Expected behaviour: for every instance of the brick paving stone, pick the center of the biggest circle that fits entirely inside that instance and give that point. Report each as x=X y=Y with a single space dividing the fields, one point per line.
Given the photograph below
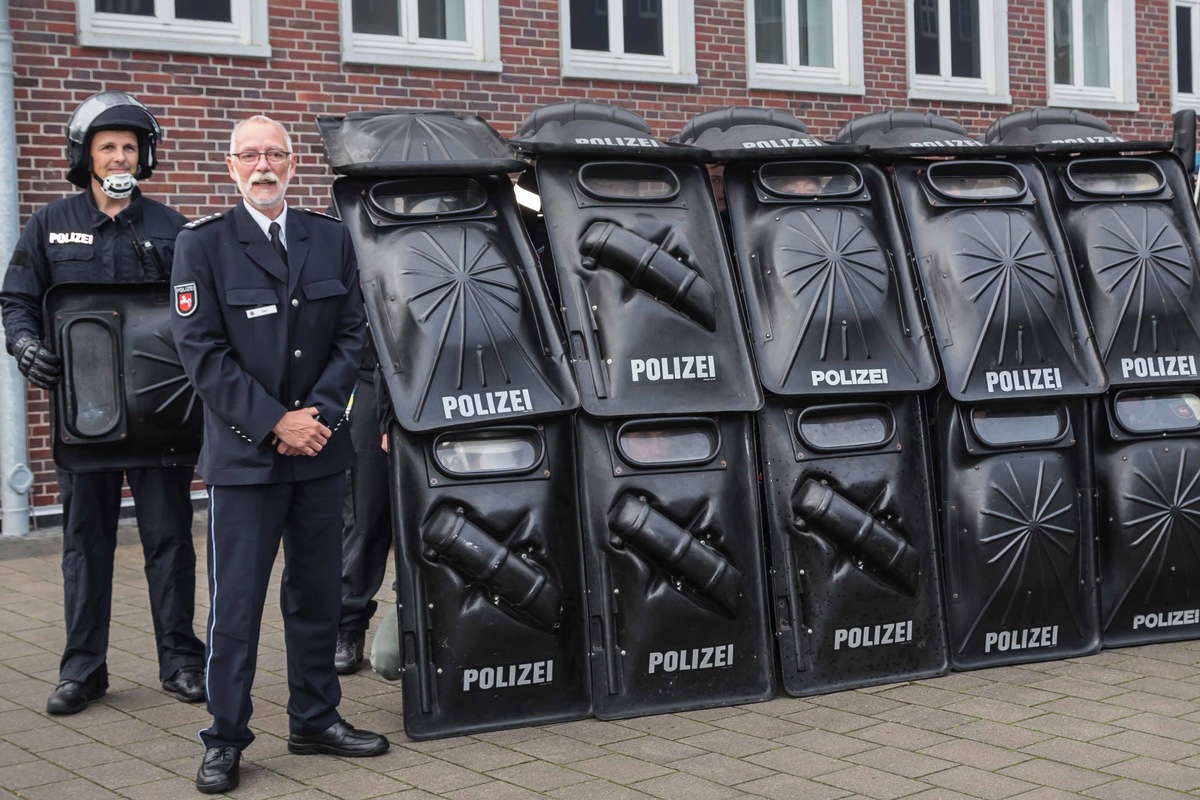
x=1017 y=675
x=1167 y=687
x=493 y=790
x=655 y=749
x=1087 y=709
x=1143 y=662
x=539 y=776
x=922 y=695
x=995 y=710
x=965 y=682
x=832 y=744
x=775 y=707
x=357 y=784
x=938 y=793
x=1147 y=744
x=11 y=754
x=900 y=762
x=861 y=702
x=683 y=786
x=1158 y=772
x=760 y=725
x=620 y=769
x=1135 y=790
x=1162 y=726
x=1075 y=687
x=897 y=735
x=730 y=743
x=711 y=714
x=598 y=790
x=594 y=731
x=789 y=787
x=668 y=726
x=438 y=777
x=1091 y=670
x=1009 y=736
x=301 y=769
x=482 y=756
x=831 y=719
x=793 y=761
x=975 y=754
x=978 y=783
x=508 y=737
x=79 y=756
x=22 y=720
x=1080 y=754
x=1071 y=727
x=873 y=783
x=558 y=749
x=37 y=740
x=1155 y=703
x=32 y=773
x=78 y=789
x=720 y=768
x=1011 y=693
x=931 y=719
x=1040 y=771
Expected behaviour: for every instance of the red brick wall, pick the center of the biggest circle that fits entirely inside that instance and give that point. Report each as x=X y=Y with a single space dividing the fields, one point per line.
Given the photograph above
x=197 y=97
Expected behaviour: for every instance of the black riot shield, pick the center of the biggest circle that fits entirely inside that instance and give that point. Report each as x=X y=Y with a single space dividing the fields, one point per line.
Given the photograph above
x=643 y=273
x=488 y=578
x=674 y=563
x=855 y=576
x=485 y=514
x=124 y=401
x=1017 y=531
x=1148 y=476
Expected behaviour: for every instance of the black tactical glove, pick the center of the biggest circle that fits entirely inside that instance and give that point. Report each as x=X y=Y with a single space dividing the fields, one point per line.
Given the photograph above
x=39 y=365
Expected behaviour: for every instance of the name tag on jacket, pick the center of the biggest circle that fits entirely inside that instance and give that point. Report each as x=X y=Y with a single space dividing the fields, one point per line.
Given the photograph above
x=261 y=311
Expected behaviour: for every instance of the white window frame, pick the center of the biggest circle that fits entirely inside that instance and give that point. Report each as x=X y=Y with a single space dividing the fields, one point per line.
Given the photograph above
x=246 y=35
x=479 y=53
x=1121 y=95
x=844 y=77
x=1180 y=100
x=677 y=64
x=992 y=84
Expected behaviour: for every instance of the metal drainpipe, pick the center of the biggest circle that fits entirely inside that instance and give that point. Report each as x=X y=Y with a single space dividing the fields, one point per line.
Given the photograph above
x=15 y=476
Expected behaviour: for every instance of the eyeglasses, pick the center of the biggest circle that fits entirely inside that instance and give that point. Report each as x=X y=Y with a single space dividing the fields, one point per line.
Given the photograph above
x=249 y=158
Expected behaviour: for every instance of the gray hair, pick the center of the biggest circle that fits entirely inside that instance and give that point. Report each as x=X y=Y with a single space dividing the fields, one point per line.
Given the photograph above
x=287 y=140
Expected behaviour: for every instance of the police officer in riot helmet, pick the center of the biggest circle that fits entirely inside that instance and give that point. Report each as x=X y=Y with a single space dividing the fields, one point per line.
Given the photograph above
x=107 y=233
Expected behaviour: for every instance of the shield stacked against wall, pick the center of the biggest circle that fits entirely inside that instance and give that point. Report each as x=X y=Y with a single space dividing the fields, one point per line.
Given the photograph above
x=842 y=352
x=1015 y=473
x=1134 y=237
x=489 y=574
x=667 y=471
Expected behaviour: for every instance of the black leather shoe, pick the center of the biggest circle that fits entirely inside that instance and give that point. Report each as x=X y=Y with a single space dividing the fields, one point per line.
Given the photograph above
x=349 y=654
x=339 y=739
x=71 y=697
x=219 y=770
x=187 y=685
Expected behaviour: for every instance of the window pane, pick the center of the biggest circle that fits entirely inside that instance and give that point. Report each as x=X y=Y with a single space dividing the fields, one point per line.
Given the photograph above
x=816 y=33
x=143 y=8
x=1001 y=426
x=1183 y=49
x=1063 y=68
x=643 y=27
x=93 y=370
x=207 y=10
x=589 y=24
x=836 y=428
x=925 y=40
x=442 y=19
x=466 y=454
x=678 y=444
x=964 y=38
x=768 y=32
x=380 y=17
x=1095 y=43
x=1149 y=413
x=610 y=180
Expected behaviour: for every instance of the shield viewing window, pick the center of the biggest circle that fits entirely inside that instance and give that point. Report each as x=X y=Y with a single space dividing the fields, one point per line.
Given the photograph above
x=1157 y=412
x=1114 y=176
x=92 y=392
x=825 y=428
x=1034 y=424
x=658 y=441
x=809 y=179
x=488 y=452
x=625 y=181
x=964 y=180
x=420 y=198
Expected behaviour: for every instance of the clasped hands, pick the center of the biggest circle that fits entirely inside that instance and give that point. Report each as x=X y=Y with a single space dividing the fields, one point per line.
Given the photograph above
x=300 y=433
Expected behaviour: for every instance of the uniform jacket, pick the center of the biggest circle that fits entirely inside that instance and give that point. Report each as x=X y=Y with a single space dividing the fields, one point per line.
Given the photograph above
x=71 y=240
x=258 y=339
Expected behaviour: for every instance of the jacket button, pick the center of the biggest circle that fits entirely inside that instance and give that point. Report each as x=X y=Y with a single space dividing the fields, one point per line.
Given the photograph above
x=297 y=354
x=296 y=404
x=295 y=302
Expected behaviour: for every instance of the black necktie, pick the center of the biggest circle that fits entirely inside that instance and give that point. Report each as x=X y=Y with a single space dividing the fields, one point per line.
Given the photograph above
x=277 y=243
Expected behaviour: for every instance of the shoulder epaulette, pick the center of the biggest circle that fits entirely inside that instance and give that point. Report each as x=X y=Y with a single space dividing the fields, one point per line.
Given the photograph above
x=321 y=214
x=196 y=223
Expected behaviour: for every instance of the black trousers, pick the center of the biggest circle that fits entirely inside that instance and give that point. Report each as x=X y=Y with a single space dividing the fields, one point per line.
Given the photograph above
x=246 y=525
x=367 y=520
x=91 y=508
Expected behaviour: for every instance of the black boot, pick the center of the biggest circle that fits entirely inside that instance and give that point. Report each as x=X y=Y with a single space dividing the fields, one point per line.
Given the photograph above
x=349 y=654
x=71 y=697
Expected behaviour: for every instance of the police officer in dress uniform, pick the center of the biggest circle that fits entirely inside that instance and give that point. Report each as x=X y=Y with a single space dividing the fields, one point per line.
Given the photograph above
x=269 y=322
x=108 y=233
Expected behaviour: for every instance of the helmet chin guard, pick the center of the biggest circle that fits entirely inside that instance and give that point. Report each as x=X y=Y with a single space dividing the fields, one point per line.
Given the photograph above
x=117 y=186
x=110 y=111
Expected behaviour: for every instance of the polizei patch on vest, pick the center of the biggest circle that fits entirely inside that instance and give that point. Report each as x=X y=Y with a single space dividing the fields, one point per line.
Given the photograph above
x=873 y=635
x=486 y=404
x=716 y=657
x=673 y=368
x=849 y=377
x=1167 y=619
x=71 y=238
x=185 y=299
x=508 y=676
x=1010 y=381
x=1159 y=367
x=1025 y=639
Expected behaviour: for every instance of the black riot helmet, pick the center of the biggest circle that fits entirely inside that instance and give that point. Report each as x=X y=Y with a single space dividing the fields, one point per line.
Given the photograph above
x=110 y=111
